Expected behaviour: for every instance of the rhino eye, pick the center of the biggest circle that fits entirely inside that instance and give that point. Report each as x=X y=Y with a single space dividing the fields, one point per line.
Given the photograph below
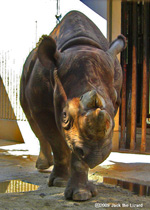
x=65 y=117
x=65 y=120
x=81 y=97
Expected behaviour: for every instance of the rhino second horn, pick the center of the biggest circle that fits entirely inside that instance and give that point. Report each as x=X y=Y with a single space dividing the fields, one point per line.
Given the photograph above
x=98 y=123
x=117 y=46
x=104 y=122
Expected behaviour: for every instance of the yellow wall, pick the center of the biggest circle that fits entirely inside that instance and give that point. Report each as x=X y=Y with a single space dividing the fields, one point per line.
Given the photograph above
x=9 y=130
x=113 y=30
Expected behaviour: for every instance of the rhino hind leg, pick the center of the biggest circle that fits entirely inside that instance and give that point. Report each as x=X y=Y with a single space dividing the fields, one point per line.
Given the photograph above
x=61 y=152
x=59 y=176
x=45 y=158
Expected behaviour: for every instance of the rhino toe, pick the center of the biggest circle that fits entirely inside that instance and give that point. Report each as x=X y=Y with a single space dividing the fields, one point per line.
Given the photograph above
x=43 y=164
x=57 y=182
x=59 y=176
x=81 y=193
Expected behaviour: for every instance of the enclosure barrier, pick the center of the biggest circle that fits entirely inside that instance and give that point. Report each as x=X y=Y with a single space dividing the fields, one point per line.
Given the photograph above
x=135 y=62
x=10 y=73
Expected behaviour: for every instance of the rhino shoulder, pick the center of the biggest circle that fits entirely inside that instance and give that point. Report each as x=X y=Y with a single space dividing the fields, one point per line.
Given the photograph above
x=29 y=64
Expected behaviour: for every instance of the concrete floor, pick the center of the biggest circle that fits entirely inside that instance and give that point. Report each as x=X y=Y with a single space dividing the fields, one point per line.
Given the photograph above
x=17 y=165
x=132 y=168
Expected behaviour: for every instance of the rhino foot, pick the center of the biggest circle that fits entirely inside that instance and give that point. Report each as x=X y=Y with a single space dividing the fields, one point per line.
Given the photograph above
x=44 y=163
x=59 y=177
x=58 y=182
x=80 y=192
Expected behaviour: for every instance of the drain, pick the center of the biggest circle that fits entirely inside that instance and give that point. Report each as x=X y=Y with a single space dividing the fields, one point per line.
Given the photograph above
x=16 y=186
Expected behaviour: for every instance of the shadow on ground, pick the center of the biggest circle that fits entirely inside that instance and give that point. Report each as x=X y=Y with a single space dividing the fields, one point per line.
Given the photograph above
x=22 y=168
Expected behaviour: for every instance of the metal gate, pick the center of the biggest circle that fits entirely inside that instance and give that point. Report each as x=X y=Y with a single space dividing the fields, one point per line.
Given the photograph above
x=10 y=72
x=135 y=60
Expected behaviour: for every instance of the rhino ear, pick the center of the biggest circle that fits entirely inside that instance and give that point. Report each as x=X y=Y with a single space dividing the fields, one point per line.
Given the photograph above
x=117 y=46
x=47 y=51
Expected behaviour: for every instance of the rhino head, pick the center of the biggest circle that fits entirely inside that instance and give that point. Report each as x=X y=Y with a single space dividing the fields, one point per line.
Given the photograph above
x=86 y=121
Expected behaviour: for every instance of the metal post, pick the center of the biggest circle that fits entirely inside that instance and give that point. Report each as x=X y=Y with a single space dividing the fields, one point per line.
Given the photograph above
x=124 y=68
x=123 y=108
x=145 y=75
x=134 y=77
x=129 y=77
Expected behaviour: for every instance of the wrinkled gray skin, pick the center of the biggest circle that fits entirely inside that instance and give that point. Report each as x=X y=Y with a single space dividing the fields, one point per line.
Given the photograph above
x=70 y=92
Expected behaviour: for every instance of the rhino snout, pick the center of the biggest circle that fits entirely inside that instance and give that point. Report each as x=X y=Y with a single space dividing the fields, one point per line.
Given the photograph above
x=95 y=154
x=98 y=154
x=81 y=151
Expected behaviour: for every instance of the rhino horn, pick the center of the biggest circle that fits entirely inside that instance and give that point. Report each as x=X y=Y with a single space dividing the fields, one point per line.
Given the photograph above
x=99 y=123
x=92 y=99
x=117 y=46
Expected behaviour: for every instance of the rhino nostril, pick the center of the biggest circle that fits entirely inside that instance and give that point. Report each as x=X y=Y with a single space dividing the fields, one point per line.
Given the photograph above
x=79 y=151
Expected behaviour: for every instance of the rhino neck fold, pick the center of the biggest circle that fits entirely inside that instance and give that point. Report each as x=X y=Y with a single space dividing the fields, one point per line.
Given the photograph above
x=79 y=41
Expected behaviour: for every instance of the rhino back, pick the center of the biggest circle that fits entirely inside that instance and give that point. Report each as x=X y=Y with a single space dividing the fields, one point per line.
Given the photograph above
x=75 y=24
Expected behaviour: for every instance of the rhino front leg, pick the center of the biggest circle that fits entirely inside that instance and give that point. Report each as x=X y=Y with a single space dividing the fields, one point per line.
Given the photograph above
x=78 y=187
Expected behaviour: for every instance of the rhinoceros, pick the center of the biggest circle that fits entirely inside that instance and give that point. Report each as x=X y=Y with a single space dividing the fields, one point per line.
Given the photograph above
x=70 y=93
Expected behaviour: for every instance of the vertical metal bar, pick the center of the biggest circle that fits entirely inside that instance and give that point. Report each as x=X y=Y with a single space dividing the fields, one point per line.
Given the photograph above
x=1 y=87
x=5 y=82
x=142 y=190
x=124 y=68
x=139 y=62
x=131 y=186
x=129 y=78
x=10 y=87
x=123 y=108
x=148 y=54
x=145 y=74
x=6 y=85
x=4 y=92
x=12 y=90
x=134 y=77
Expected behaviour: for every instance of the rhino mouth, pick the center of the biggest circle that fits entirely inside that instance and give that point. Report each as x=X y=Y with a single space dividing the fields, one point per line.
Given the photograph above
x=79 y=41
x=96 y=155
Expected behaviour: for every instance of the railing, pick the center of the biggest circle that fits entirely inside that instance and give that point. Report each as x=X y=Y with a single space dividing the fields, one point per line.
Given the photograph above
x=135 y=62
x=10 y=73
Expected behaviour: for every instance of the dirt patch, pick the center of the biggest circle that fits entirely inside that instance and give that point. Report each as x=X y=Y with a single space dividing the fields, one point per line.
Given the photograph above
x=23 y=168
